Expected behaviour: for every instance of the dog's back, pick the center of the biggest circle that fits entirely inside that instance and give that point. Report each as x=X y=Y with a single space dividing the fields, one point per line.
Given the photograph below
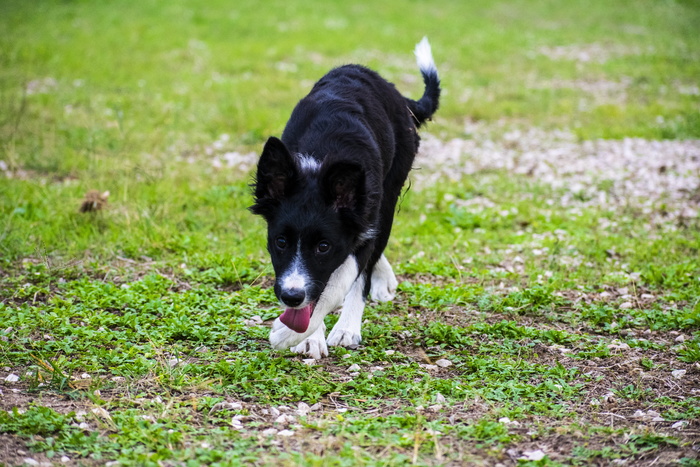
x=352 y=100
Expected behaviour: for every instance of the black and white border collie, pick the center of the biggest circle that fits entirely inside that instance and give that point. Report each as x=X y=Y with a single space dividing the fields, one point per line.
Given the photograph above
x=328 y=190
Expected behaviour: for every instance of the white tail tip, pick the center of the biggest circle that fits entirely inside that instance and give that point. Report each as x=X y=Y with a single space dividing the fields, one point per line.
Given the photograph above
x=424 y=57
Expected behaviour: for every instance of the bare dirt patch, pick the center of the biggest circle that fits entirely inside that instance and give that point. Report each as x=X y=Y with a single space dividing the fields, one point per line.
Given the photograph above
x=608 y=174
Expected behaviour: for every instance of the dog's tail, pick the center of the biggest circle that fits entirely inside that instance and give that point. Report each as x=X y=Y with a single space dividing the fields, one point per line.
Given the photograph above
x=424 y=108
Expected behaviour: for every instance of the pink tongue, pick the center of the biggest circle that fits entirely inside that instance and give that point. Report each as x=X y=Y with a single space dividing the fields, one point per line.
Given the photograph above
x=297 y=319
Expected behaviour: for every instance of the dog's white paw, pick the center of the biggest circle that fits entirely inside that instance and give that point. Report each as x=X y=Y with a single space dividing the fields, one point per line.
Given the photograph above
x=313 y=346
x=383 y=290
x=281 y=337
x=343 y=338
x=383 y=283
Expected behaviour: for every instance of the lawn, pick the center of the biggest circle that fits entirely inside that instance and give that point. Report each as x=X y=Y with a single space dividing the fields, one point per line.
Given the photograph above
x=547 y=250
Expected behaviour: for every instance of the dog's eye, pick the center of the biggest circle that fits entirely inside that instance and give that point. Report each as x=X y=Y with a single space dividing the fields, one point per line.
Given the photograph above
x=281 y=243
x=323 y=247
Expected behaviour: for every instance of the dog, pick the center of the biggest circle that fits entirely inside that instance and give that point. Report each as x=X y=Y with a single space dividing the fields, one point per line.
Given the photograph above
x=328 y=191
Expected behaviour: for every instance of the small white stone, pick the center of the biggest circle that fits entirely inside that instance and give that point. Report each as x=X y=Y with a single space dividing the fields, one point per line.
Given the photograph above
x=30 y=461
x=535 y=456
x=270 y=432
x=284 y=419
x=443 y=362
x=626 y=305
x=102 y=413
x=617 y=345
x=678 y=374
x=439 y=398
x=274 y=412
x=285 y=433
x=309 y=361
x=65 y=459
x=173 y=362
x=680 y=339
x=639 y=414
x=303 y=409
x=679 y=425
x=389 y=352
x=12 y=378
x=253 y=321
x=353 y=368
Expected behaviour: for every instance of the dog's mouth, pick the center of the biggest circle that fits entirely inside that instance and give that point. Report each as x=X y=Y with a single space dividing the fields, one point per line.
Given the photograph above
x=297 y=319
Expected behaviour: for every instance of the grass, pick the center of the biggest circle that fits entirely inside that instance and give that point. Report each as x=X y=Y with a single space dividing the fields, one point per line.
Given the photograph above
x=138 y=334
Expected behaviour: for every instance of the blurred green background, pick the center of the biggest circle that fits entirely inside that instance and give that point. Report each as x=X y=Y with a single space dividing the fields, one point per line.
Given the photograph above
x=138 y=97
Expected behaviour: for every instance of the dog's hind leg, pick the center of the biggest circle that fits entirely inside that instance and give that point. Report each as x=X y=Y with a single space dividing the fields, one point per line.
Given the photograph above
x=384 y=283
x=347 y=331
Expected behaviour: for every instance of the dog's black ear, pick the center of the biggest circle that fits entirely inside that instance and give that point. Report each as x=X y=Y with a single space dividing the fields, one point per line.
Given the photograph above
x=275 y=176
x=344 y=185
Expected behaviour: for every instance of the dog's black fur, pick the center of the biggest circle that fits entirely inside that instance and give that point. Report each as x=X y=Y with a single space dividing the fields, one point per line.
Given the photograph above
x=328 y=189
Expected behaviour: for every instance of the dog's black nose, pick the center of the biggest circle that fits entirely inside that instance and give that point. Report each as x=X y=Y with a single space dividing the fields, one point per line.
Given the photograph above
x=293 y=297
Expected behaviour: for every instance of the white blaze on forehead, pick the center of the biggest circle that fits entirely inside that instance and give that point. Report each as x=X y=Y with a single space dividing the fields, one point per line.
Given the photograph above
x=308 y=163
x=295 y=277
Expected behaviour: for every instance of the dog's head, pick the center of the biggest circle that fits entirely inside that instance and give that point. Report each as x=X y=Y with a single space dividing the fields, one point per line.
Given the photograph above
x=315 y=212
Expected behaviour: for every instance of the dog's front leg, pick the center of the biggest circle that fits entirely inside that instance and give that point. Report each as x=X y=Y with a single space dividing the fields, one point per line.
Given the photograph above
x=347 y=331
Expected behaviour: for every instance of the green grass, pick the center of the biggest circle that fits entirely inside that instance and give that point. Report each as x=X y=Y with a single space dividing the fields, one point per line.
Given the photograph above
x=142 y=321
